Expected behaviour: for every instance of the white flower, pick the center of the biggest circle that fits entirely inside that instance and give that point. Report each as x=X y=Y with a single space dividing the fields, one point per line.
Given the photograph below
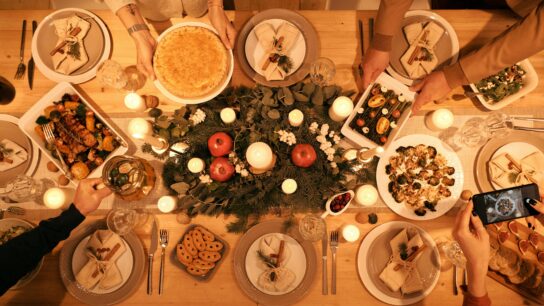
x=330 y=151
x=324 y=129
x=330 y=157
x=324 y=146
x=238 y=168
x=232 y=154
x=204 y=178
x=244 y=173
x=401 y=98
x=331 y=134
x=321 y=139
x=313 y=127
x=333 y=165
x=383 y=89
x=336 y=139
x=198 y=117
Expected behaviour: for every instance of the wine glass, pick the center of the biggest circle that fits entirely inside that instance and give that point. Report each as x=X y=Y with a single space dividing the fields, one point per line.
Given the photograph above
x=23 y=188
x=122 y=220
x=476 y=132
x=322 y=71
x=312 y=228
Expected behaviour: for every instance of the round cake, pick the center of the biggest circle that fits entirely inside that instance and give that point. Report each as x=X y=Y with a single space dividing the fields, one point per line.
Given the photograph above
x=191 y=62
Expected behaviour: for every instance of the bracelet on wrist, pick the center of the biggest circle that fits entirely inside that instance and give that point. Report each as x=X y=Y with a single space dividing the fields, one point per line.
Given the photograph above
x=137 y=27
x=218 y=3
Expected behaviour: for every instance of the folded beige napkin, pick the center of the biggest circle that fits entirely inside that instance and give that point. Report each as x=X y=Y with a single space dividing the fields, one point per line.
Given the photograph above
x=73 y=55
x=267 y=37
x=422 y=37
x=505 y=175
x=103 y=249
x=14 y=155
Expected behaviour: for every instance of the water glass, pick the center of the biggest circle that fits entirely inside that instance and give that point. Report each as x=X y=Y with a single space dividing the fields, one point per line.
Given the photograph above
x=453 y=252
x=111 y=73
x=322 y=71
x=24 y=189
x=312 y=228
x=121 y=221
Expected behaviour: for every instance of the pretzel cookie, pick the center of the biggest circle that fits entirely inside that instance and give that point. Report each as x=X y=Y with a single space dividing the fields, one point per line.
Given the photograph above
x=201 y=264
x=183 y=256
x=214 y=246
x=209 y=256
x=196 y=271
x=189 y=244
x=207 y=235
x=198 y=240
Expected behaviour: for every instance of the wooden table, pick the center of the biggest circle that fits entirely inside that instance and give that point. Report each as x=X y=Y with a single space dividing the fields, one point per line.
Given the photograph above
x=337 y=32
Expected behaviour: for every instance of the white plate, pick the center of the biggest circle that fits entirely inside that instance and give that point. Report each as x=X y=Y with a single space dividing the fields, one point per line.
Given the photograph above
x=296 y=263
x=530 y=82
x=208 y=97
x=28 y=121
x=74 y=78
x=449 y=31
x=255 y=52
x=34 y=155
x=370 y=264
x=124 y=263
x=8 y=223
x=398 y=88
x=518 y=150
x=444 y=205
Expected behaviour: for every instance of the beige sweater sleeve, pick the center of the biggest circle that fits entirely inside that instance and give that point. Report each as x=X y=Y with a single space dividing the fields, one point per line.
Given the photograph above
x=519 y=42
x=115 y=5
x=388 y=22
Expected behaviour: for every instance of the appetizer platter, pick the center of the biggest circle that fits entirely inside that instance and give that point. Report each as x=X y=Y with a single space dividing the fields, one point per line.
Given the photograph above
x=185 y=48
x=80 y=41
x=398 y=263
x=200 y=252
x=289 y=58
x=18 y=156
x=9 y=229
x=508 y=85
x=266 y=279
x=108 y=287
x=380 y=113
x=83 y=137
x=425 y=42
x=420 y=177
x=517 y=258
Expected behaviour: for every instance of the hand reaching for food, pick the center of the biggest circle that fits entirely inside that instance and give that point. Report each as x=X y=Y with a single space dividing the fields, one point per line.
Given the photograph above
x=222 y=24
x=145 y=48
x=433 y=87
x=374 y=63
x=89 y=196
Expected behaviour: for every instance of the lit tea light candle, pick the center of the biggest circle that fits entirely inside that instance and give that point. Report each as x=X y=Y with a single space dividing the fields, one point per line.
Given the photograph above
x=58 y=198
x=135 y=102
x=350 y=233
x=289 y=186
x=228 y=115
x=167 y=204
x=366 y=195
x=296 y=117
x=439 y=119
x=196 y=165
x=367 y=154
x=341 y=108
x=259 y=155
x=140 y=128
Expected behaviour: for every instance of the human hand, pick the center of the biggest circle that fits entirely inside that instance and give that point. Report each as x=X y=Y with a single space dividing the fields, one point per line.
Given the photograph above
x=432 y=87
x=145 y=48
x=374 y=63
x=473 y=239
x=222 y=24
x=88 y=197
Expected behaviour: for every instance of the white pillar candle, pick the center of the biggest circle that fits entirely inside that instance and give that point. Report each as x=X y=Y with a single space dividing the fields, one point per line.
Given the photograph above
x=350 y=233
x=341 y=108
x=366 y=195
x=140 y=128
x=289 y=186
x=135 y=102
x=439 y=119
x=350 y=154
x=196 y=165
x=296 y=117
x=58 y=198
x=367 y=154
x=259 y=155
x=228 y=115
x=167 y=204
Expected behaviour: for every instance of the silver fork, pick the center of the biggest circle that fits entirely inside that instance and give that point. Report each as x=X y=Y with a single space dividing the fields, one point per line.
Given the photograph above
x=16 y=210
x=21 y=67
x=50 y=138
x=164 y=244
x=334 y=246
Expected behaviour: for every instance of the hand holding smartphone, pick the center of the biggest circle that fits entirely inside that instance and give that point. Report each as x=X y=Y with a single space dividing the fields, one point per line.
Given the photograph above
x=506 y=204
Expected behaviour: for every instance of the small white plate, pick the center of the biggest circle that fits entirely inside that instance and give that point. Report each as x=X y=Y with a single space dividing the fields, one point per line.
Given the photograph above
x=444 y=205
x=296 y=263
x=530 y=82
x=518 y=150
x=255 y=52
x=124 y=263
x=374 y=253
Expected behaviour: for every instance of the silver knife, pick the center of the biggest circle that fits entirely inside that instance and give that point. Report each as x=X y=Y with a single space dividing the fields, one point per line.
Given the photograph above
x=31 y=61
x=324 y=247
x=152 y=249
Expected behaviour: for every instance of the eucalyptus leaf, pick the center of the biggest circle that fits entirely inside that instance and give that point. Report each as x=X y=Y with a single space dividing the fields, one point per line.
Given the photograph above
x=317 y=97
x=308 y=89
x=181 y=188
x=297 y=86
x=329 y=91
x=164 y=134
x=288 y=98
x=300 y=97
x=274 y=114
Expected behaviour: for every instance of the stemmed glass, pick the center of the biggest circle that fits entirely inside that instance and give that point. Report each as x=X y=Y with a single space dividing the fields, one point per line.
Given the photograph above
x=110 y=73
x=322 y=71
x=476 y=132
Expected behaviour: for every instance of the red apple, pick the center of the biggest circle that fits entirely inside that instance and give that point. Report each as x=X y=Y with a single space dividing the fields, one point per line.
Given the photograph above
x=220 y=144
x=221 y=169
x=303 y=155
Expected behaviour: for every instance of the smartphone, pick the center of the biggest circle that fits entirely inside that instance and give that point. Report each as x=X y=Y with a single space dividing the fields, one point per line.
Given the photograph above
x=506 y=204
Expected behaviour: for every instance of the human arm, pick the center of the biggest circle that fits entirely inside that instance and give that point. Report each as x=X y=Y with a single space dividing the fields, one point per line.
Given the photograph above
x=473 y=239
x=21 y=254
x=221 y=23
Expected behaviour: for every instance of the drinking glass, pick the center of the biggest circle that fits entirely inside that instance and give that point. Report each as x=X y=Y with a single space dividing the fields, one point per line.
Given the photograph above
x=322 y=71
x=24 y=189
x=312 y=228
x=476 y=132
x=121 y=221
x=453 y=252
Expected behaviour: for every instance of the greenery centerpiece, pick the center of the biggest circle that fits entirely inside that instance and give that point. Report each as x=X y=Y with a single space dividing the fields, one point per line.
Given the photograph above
x=262 y=116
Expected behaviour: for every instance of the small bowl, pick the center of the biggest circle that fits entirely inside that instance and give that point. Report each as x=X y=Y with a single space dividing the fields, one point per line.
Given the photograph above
x=328 y=204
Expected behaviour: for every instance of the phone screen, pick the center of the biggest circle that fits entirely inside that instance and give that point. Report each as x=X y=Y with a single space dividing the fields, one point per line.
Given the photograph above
x=506 y=204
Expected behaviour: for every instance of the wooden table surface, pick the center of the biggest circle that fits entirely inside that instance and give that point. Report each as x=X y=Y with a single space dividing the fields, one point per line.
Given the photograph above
x=337 y=31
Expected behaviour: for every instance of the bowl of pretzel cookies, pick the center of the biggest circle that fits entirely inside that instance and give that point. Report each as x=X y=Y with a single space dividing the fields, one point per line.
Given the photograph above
x=199 y=252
